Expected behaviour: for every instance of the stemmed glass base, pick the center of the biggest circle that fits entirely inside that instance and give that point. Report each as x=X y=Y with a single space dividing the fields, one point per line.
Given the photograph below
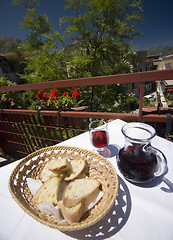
x=105 y=152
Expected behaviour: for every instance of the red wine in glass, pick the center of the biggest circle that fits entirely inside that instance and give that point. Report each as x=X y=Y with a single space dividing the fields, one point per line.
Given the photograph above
x=100 y=139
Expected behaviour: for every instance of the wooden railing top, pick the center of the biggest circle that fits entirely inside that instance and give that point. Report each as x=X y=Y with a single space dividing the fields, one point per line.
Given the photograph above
x=139 y=77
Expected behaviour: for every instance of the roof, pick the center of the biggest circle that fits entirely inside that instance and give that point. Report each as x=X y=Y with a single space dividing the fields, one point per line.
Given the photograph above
x=169 y=56
x=168 y=83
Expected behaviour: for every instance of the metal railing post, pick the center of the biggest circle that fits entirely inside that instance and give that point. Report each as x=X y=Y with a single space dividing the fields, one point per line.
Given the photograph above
x=141 y=91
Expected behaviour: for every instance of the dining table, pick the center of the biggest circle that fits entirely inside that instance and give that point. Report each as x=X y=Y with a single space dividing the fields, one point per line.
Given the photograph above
x=140 y=211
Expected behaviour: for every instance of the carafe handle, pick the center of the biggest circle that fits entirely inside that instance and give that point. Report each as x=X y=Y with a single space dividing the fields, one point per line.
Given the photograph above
x=161 y=161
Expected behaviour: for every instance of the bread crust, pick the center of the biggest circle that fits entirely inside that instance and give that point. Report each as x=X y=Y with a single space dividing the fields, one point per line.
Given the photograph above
x=78 y=190
x=61 y=165
x=54 y=167
x=77 y=168
x=72 y=214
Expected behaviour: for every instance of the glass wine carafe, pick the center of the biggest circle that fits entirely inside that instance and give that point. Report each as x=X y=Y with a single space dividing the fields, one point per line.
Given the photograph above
x=138 y=161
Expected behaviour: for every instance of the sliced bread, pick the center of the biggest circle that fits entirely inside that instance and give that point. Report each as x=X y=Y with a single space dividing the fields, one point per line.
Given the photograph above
x=50 y=169
x=77 y=168
x=78 y=190
x=72 y=214
x=48 y=192
x=59 y=165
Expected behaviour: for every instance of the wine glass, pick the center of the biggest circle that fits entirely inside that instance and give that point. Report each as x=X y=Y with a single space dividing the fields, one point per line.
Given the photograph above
x=99 y=137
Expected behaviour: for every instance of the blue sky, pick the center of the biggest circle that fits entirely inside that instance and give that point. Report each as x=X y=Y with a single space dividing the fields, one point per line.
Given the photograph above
x=157 y=27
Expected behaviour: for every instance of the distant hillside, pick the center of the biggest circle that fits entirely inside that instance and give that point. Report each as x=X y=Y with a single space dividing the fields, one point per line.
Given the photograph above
x=164 y=51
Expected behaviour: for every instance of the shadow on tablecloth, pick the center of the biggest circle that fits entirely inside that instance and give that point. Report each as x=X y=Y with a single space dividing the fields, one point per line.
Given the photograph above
x=114 y=149
x=113 y=221
x=157 y=181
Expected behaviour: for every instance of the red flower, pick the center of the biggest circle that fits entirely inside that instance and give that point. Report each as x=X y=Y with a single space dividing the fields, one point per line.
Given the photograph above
x=76 y=93
x=50 y=98
x=46 y=96
x=169 y=90
x=39 y=94
x=42 y=95
x=54 y=94
x=66 y=93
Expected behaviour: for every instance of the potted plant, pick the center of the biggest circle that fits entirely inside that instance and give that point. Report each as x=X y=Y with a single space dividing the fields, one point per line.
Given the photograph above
x=56 y=100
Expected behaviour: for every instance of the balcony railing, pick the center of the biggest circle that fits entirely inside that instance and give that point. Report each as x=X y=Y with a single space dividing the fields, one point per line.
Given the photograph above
x=24 y=131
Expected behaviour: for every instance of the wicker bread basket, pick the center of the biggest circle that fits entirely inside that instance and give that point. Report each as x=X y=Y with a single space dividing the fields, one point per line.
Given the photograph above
x=99 y=168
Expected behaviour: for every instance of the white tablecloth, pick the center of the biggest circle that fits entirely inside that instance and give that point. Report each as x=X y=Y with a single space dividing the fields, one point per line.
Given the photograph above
x=140 y=212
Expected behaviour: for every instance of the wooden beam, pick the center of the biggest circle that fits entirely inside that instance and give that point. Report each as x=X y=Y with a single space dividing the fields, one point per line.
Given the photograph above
x=92 y=81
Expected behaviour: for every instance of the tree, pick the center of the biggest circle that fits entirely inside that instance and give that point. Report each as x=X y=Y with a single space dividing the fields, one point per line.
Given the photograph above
x=8 y=44
x=45 y=60
x=38 y=25
x=105 y=30
x=47 y=63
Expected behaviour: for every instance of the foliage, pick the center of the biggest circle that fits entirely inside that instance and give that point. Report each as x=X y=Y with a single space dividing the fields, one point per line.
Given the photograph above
x=8 y=44
x=129 y=103
x=26 y=3
x=169 y=98
x=54 y=99
x=158 y=97
x=46 y=63
x=8 y=99
x=38 y=25
x=104 y=31
x=16 y=59
x=28 y=99
x=103 y=98
x=146 y=101
x=170 y=103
